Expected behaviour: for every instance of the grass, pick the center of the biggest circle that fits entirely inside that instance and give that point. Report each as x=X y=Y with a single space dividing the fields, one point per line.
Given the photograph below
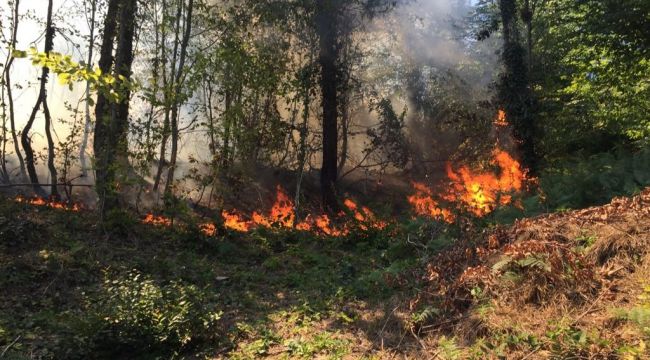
x=70 y=290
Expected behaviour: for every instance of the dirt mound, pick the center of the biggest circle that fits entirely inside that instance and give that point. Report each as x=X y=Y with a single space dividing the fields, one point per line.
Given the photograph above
x=572 y=267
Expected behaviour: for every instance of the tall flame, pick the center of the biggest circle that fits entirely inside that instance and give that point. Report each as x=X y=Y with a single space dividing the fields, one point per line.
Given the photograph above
x=482 y=192
x=479 y=192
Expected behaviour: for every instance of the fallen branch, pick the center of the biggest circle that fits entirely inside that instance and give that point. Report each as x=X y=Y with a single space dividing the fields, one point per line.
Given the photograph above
x=9 y=347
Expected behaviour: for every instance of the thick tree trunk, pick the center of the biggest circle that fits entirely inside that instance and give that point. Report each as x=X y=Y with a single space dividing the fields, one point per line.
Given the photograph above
x=116 y=151
x=42 y=97
x=103 y=114
x=87 y=126
x=514 y=86
x=328 y=55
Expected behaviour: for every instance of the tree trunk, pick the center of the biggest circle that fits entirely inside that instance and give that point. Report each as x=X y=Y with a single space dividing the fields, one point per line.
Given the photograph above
x=87 y=126
x=514 y=86
x=168 y=86
x=10 y=97
x=104 y=112
x=54 y=193
x=150 y=153
x=178 y=82
x=42 y=97
x=328 y=54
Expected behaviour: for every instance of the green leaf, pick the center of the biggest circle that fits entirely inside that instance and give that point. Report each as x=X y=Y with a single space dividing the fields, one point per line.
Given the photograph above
x=19 y=54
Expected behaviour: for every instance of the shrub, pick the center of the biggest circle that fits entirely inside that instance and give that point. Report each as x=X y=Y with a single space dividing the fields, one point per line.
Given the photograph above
x=140 y=317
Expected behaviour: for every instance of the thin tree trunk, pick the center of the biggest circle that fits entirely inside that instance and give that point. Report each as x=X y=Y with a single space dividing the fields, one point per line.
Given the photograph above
x=154 y=93
x=87 y=126
x=54 y=193
x=226 y=129
x=345 y=126
x=302 y=150
x=10 y=97
x=168 y=85
x=42 y=97
x=177 y=104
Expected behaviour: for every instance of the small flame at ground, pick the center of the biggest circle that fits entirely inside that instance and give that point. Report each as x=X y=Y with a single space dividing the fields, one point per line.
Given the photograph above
x=282 y=215
x=48 y=203
x=424 y=204
x=501 y=119
x=157 y=220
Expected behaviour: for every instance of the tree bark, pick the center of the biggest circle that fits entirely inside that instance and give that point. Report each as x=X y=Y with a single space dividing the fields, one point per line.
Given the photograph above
x=87 y=126
x=514 y=86
x=42 y=97
x=326 y=21
x=10 y=97
x=178 y=87
x=168 y=85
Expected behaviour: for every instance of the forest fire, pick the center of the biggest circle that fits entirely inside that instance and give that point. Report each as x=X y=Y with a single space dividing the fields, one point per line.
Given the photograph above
x=479 y=192
x=157 y=220
x=424 y=204
x=482 y=192
x=37 y=201
x=501 y=119
x=282 y=214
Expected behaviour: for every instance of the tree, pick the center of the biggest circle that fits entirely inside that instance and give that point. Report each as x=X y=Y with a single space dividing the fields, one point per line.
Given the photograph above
x=10 y=99
x=42 y=101
x=87 y=126
x=327 y=19
x=112 y=117
x=514 y=91
x=177 y=85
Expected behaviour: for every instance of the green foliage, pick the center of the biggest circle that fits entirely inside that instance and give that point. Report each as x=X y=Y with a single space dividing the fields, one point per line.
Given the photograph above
x=136 y=315
x=69 y=72
x=640 y=315
x=324 y=342
x=594 y=180
x=591 y=67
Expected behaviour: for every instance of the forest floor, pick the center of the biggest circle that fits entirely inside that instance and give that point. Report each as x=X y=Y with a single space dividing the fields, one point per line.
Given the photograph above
x=565 y=285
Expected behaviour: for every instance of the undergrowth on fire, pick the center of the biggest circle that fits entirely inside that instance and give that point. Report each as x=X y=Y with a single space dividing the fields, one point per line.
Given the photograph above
x=164 y=287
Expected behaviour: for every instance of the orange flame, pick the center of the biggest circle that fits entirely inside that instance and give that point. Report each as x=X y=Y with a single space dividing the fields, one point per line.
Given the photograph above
x=157 y=220
x=424 y=204
x=282 y=214
x=37 y=201
x=235 y=222
x=501 y=119
x=482 y=192
x=365 y=216
x=208 y=229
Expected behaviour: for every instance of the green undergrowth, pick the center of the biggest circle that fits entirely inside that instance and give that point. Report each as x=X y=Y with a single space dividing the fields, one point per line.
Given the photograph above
x=579 y=182
x=73 y=290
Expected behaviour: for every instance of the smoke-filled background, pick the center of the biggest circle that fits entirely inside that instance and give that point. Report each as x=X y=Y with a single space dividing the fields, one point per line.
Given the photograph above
x=421 y=58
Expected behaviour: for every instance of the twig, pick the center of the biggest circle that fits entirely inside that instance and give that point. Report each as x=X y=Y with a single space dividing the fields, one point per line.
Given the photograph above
x=589 y=309
x=531 y=353
x=9 y=346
